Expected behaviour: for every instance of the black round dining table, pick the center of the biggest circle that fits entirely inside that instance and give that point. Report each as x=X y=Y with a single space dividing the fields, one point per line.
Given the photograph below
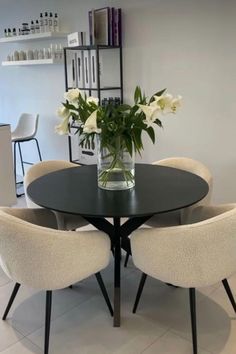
x=158 y=189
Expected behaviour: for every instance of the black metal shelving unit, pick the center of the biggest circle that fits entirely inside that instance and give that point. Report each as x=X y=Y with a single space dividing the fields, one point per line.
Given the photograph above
x=99 y=88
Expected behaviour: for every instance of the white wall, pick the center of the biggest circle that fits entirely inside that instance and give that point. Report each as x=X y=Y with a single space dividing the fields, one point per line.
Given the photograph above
x=184 y=45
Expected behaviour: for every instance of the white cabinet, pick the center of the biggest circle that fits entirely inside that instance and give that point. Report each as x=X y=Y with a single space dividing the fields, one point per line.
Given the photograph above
x=7 y=181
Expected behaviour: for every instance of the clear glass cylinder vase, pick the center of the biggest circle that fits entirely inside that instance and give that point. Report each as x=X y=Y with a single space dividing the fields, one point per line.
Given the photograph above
x=115 y=166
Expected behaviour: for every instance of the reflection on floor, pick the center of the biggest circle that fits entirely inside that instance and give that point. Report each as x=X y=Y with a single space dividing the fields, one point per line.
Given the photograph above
x=81 y=322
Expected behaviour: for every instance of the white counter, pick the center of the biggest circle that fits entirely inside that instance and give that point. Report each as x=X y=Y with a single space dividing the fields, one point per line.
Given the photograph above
x=7 y=181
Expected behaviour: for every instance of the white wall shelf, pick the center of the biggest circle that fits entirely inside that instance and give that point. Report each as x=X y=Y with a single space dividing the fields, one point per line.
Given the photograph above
x=33 y=37
x=31 y=62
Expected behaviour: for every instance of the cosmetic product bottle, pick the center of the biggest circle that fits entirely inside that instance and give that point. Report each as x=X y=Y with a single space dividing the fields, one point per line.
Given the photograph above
x=16 y=55
x=52 y=51
x=40 y=54
x=37 y=27
x=45 y=22
x=50 y=22
x=14 y=32
x=5 y=33
x=45 y=53
x=32 y=27
x=36 y=54
x=60 y=56
x=56 y=53
x=56 y=23
x=19 y=32
x=9 y=32
x=41 y=23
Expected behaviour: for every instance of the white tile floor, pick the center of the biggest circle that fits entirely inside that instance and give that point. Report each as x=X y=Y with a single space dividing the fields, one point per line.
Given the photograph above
x=81 y=322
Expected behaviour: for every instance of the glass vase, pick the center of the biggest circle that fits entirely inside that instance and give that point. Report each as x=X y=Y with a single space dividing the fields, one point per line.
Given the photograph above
x=115 y=166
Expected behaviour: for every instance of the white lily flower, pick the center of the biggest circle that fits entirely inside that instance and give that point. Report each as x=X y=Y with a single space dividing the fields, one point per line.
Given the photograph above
x=165 y=102
x=176 y=103
x=151 y=112
x=90 y=125
x=63 y=112
x=72 y=95
x=94 y=100
x=63 y=128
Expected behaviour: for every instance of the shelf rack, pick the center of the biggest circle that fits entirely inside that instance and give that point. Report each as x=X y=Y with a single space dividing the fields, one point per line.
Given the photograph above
x=33 y=37
x=31 y=62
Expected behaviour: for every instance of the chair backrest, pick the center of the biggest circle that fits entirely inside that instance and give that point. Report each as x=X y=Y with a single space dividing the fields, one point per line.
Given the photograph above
x=41 y=169
x=45 y=258
x=27 y=126
x=193 y=166
x=193 y=255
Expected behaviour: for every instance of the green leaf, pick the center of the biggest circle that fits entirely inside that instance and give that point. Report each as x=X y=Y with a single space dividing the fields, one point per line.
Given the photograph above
x=159 y=123
x=129 y=145
x=151 y=134
x=137 y=94
x=159 y=93
x=123 y=107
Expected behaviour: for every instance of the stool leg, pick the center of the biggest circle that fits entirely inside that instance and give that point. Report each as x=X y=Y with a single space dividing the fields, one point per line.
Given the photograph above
x=47 y=320
x=192 y=300
x=21 y=159
x=14 y=159
x=40 y=156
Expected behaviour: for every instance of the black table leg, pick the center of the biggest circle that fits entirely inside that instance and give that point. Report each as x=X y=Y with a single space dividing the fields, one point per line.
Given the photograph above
x=117 y=256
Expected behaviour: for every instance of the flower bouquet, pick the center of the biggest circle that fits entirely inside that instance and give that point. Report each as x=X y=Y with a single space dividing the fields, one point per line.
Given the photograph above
x=119 y=129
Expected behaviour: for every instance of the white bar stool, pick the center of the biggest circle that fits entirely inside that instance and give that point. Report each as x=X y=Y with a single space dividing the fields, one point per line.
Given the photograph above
x=25 y=130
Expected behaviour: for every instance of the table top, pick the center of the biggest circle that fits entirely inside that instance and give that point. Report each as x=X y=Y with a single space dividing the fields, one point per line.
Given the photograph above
x=157 y=189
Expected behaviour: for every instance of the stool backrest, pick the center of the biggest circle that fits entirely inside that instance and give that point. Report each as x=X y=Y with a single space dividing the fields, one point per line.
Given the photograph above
x=27 y=126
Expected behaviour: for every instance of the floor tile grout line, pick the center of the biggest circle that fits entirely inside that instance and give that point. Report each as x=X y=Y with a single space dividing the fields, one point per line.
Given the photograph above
x=24 y=337
x=11 y=345
x=158 y=338
x=179 y=335
x=56 y=318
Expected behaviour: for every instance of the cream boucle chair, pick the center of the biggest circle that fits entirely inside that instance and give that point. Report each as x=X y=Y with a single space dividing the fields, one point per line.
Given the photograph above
x=189 y=165
x=180 y=216
x=48 y=259
x=65 y=221
x=194 y=255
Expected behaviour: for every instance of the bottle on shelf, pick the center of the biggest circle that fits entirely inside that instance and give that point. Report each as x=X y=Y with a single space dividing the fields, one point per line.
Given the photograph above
x=32 y=27
x=36 y=53
x=14 y=32
x=37 y=27
x=56 y=23
x=9 y=32
x=41 y=23
x=5 y=33
x=50 y=22
x=25 y=28
x=46 y=22
x=60 y=52
x=52 y=52
x=40 y=54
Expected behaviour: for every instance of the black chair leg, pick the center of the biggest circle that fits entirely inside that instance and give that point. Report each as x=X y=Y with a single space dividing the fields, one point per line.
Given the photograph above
x=126 y=259
x=104 y=292
x=140 y=290
x=21 y=159
x=229 y=293
x=47 y=320
x=12 y=298
x=14 y=160
x=37 y=143
x=192 y=300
